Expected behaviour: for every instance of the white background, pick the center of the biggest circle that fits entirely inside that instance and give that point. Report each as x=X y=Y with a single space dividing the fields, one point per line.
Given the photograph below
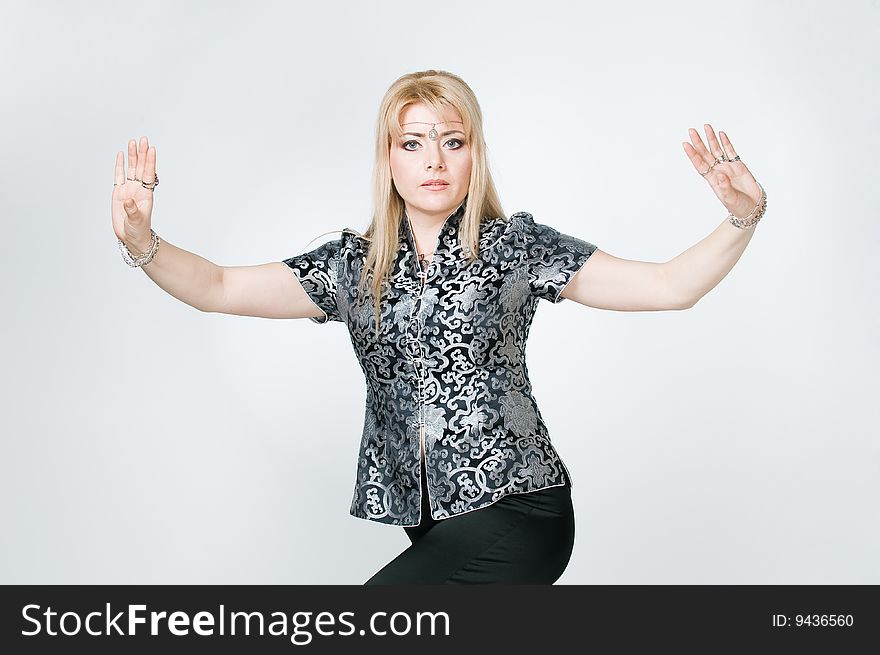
x=147 y=442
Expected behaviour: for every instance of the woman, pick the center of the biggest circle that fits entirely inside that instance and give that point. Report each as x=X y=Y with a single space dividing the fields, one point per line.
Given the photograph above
x=438 y=296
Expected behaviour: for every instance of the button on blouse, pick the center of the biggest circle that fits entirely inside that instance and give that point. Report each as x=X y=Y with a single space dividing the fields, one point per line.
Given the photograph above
x=450 y=357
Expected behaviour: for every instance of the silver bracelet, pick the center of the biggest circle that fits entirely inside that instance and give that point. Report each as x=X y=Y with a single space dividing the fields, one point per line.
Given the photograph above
x=145 y=258
x=753 y=217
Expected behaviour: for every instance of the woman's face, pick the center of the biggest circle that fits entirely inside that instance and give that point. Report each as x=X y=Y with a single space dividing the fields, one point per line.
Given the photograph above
x=415 y=159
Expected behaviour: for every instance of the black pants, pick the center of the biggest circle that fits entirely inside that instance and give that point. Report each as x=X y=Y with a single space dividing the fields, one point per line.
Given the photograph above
x=524 y=538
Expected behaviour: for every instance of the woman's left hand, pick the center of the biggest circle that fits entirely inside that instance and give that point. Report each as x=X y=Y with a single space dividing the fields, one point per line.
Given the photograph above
x=731 y=181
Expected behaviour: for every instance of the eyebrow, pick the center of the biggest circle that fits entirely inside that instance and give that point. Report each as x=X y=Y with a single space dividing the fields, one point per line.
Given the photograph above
x=442 y=134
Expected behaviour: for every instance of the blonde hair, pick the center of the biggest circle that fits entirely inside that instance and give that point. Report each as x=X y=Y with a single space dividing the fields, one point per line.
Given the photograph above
x=438 y=90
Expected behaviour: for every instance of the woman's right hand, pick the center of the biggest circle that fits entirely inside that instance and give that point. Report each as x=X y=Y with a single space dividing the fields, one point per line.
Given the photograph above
x=131 y=205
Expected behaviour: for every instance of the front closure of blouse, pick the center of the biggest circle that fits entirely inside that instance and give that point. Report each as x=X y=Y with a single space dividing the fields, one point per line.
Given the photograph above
x=416 y=348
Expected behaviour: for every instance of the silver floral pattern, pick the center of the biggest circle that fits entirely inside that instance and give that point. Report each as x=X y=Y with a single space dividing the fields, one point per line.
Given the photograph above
x=450 y=358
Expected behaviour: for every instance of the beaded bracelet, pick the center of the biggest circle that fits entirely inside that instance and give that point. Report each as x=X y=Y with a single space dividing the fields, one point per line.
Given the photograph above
x=752 y=218
x=146 y=257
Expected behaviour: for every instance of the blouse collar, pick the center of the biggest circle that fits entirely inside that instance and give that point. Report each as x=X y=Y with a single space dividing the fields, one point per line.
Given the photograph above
x=405 y=230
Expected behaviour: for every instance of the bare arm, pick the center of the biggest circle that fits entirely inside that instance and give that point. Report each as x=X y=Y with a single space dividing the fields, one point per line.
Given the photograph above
x=624 y=285
x=610 y=283
x=268 y=291
x=184 y=275
x=698 y=270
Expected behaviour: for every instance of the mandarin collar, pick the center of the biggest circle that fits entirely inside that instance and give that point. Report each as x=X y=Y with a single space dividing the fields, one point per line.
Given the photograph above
x=406 y=233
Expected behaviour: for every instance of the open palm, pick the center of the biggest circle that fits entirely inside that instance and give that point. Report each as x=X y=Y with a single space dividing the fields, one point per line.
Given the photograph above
x=127 y=186
x=731 y=181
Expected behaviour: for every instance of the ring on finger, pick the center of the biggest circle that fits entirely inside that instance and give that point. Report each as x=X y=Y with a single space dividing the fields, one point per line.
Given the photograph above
x=151 y=185
x=718 y=160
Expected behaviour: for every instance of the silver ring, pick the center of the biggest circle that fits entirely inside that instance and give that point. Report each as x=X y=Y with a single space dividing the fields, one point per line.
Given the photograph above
x=718 y=160
x=151 y=185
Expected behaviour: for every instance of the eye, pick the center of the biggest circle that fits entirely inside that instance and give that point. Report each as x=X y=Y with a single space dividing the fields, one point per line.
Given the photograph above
x=458 y=141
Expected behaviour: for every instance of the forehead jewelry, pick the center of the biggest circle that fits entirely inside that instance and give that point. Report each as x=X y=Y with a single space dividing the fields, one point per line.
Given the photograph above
x=432 y=134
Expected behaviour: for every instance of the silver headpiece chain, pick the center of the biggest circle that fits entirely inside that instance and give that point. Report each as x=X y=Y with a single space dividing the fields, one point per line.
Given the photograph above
x=432 y=134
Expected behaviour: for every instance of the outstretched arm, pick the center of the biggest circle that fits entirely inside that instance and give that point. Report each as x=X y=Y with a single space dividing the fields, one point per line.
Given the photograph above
x=608 y=282
x=265 y=291
x=623 y=285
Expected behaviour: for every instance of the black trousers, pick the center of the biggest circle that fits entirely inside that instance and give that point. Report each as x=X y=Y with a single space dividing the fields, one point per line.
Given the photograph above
x=524 y=538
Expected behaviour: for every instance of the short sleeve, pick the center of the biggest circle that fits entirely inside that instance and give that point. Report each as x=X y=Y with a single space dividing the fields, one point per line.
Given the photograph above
x=317 y=272
x=553 y=259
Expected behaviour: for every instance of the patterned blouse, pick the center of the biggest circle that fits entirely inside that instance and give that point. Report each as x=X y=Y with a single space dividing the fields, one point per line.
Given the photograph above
x=449 y=358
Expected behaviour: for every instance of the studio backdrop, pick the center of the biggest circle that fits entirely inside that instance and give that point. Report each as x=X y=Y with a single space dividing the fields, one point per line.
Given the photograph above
x=145 y=441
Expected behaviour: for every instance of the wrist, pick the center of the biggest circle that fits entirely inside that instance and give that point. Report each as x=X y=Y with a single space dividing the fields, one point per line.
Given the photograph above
x=138 y=247
x=137 y=254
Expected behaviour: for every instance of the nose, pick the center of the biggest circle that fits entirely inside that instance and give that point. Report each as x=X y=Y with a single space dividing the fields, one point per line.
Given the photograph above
x=434 y=156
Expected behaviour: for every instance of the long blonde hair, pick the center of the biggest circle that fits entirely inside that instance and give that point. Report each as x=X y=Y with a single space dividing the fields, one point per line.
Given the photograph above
x=439 y=90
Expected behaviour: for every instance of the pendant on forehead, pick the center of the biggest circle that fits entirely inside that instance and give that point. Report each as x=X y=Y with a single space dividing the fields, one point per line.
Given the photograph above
x=433 y=133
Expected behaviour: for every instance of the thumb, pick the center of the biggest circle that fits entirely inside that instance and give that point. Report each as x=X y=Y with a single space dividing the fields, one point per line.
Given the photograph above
x=130 y=207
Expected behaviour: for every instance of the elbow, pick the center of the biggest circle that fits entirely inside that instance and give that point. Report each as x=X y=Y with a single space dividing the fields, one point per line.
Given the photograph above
x=676 y=298
x=681 y=301
x=678 y=302
x=687 y=303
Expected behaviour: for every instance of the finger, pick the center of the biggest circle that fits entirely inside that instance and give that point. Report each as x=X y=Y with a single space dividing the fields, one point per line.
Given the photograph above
x=132 y=159
x=714 y=146
x=728 y=146
x=119 y=170
x=738 y=168
x=131 y=208
x=150 y=168
x=142 y=157
x=699 y=147
x=695 y=157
